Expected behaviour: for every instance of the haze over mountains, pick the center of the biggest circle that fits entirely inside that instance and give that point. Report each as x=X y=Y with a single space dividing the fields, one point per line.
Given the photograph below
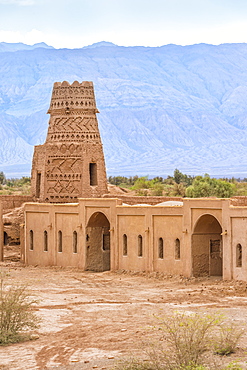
x=161 y=108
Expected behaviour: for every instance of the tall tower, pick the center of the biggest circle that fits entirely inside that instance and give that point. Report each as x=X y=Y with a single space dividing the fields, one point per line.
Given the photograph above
x=70 y=164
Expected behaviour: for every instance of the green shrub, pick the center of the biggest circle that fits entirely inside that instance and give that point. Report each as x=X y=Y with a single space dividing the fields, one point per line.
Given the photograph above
x=187 y=342
x=16 y=316
x=186 y=338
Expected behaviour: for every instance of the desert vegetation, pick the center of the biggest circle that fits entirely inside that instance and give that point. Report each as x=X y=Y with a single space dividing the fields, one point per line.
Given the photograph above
x=14 y=185
x=187 y=341
x=16 y=316
x=182 y=185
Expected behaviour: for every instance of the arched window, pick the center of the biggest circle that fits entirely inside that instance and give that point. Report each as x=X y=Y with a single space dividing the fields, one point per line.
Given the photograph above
x=125 y=246
x=140 y=247
x=93 y=174
x=74 y=242
x=161 y=248
x=239 y=255
x=31 y=240
x=5 y=238
x=60 y=241
x=38 y=183
x=45 y=241
x=177 y=249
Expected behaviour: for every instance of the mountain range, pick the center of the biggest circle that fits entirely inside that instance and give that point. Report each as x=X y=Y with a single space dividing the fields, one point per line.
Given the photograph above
x=161 y=108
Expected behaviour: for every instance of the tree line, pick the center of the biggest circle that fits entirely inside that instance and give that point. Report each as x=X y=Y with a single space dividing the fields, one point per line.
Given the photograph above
x=183 y=185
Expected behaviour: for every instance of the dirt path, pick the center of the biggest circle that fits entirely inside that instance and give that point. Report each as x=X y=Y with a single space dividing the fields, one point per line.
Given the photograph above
x=91 y=319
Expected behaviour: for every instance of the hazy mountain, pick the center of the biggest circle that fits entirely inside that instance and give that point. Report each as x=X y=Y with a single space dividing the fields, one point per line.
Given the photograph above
x=4 y=46
x=161 y=108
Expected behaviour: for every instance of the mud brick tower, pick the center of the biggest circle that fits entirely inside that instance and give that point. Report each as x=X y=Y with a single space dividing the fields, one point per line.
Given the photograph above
x=70 y=164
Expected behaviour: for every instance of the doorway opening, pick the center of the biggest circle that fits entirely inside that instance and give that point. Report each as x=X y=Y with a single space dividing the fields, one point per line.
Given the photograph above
x=207 y=247
x=98 y=243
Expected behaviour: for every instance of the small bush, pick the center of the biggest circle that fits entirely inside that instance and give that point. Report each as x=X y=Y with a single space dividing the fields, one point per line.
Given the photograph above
x=186 y=342
x=227 y=339
x=16 y=316
x=186 y=338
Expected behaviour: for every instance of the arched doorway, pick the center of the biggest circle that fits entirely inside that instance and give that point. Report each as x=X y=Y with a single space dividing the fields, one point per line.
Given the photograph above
x=207 y=247
x=98 y=243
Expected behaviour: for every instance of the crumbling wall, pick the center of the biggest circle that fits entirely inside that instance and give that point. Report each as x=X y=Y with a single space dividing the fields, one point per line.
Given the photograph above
x=240 y=201
x=13 y=217
x=14 y=201
x=11 y=226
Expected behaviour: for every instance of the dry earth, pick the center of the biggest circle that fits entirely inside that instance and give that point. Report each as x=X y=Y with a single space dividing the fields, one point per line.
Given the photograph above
x=89 y=320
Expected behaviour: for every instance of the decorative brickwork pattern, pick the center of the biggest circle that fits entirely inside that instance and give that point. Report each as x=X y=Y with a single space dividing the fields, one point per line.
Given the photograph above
x=63 y=167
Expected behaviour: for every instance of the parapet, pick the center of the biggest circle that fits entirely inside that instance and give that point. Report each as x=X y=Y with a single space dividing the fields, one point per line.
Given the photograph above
x=74 y=84
x=68 y=97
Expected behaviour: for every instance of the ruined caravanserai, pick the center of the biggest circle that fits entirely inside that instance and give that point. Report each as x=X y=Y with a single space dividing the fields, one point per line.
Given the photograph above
x=74 y=222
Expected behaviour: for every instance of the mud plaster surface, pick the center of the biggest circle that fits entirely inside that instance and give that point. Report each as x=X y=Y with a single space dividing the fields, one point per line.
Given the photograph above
x=89 y=320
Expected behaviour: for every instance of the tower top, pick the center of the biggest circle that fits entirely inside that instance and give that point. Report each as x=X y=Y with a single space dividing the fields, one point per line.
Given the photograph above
x=68 y=98
x=74 y=84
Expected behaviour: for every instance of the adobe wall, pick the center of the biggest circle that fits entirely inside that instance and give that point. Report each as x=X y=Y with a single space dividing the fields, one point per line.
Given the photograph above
x=166 y=239
x=152 y=200
x=49 y=219
x=14 y=201
x=150 y=224
x=235 y=236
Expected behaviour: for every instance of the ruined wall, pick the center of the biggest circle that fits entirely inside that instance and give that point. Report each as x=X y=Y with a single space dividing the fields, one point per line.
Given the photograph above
x=13 y=216
x=71 y=162
x=14 y=201
x=240 y=201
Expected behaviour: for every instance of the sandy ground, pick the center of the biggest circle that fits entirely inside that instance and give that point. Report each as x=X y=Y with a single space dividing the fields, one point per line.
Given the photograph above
x=90 y=320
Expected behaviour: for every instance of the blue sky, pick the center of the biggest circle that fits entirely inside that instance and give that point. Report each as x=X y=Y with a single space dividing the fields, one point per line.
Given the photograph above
x=77 y=23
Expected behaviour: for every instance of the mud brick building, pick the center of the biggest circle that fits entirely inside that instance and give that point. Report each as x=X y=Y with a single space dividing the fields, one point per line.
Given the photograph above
x=74 y=222
x=70 y=164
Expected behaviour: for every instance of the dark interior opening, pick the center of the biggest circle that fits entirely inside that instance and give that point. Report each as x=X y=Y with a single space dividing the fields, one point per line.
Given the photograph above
x=93 y=174
x=38 y=182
